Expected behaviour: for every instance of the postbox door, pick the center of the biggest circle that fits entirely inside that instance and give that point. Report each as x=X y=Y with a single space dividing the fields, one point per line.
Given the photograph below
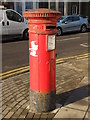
x=46 y=65
x=53 y=73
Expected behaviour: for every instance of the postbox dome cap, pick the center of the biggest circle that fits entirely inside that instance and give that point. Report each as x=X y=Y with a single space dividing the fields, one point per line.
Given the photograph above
x=42 y=12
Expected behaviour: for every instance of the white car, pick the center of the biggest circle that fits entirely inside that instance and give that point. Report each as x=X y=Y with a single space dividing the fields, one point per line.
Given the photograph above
x=12 y=24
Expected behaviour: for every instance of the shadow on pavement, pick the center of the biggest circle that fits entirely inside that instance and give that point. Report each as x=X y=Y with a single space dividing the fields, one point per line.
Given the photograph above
x=73 y=95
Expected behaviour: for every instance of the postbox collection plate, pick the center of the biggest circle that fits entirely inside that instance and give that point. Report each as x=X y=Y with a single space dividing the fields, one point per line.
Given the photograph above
x=51 y=42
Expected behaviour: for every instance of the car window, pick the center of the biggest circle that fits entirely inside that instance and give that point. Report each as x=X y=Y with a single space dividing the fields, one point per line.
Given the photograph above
x=68 y=19
x=1 y=15
x=11 y=15
x=76 y=18
x=58 y=20
x=62 y=18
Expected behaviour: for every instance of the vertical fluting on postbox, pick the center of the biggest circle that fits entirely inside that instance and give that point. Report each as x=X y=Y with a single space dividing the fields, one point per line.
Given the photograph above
x=42 y=58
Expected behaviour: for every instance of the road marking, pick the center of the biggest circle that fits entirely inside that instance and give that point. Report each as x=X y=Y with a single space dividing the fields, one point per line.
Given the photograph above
x=73 y=57
x=84 y=45
x=69 y=39
x=11 y=71
x=83 y=33
x=26 y=68
x=15 y=73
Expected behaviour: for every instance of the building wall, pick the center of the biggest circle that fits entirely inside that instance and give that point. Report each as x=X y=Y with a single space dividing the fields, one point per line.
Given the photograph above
x=23 y=6
x=9 y=5
x=66 y=8
x=89 y=11
x=85 y=9
x=61 y=7
x=43 y=4
x=82 y=8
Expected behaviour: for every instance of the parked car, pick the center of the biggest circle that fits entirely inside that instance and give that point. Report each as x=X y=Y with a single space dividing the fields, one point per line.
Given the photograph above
x=12 y=24
x=71 y=23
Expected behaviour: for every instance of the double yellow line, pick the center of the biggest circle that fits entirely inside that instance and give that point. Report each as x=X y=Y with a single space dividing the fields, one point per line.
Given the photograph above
x=26 y=68
x=14 y=72
x=73 y=57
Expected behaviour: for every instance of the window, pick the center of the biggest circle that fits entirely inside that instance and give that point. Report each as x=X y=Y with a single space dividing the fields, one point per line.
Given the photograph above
x=58 y=20
x=28 y=5
x=19 y=7
x=68 y=19
x=43 y=4
x=61 y=19
x=11 y=15
x=74 y=9
x=53 y=5
x=76 y=18
x=1 y=15
x=61 y=7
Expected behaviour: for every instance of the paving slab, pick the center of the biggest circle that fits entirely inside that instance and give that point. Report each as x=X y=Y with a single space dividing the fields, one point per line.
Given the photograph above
x=87 y=116
x=79 y=105
x=69 y=113
x=89 y=108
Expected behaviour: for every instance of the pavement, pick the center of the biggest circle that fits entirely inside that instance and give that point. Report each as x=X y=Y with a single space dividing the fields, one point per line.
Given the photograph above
x=72 y=94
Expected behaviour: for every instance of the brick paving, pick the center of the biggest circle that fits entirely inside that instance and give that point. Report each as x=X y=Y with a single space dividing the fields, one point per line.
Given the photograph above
x=70 y=76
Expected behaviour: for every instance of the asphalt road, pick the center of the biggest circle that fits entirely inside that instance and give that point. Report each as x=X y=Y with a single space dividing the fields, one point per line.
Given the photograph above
x=15 y=54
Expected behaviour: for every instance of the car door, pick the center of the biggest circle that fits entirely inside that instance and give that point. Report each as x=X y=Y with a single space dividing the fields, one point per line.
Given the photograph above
x=67 y=24
x=76 y=22
x=3 y=28
x=14 y=22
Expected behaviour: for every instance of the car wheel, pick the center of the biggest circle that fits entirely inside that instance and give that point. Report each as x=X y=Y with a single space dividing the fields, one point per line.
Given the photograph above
x=59 y=31
x=25 y=34
x=83 y=28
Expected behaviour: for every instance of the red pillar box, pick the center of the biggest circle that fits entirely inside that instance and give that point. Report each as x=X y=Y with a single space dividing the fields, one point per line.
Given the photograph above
x=42 y=58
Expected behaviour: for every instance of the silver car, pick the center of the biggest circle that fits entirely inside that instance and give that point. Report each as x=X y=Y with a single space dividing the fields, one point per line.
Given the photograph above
x=71 y=23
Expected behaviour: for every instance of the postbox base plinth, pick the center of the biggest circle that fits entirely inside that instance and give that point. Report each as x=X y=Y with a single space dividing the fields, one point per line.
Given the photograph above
x=42 y=102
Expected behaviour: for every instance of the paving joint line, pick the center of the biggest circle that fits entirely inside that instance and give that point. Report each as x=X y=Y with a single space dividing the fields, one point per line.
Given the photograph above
x=16 y=91
x=21 y=112
x=86 y=113
x=14 y=106
x=12 y=97
x=74 y=109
